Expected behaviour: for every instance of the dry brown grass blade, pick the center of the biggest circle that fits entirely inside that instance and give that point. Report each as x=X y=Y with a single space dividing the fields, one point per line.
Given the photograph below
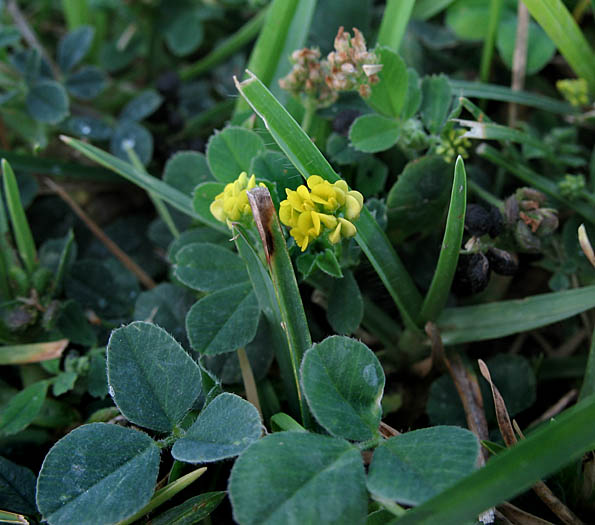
x=519 y=58
x=502 y=416
x=263 y=211
x=585 y=243
x=556 y=408
x=114 y=249
x=465 y=383
x=506 y=429
x=519 y=516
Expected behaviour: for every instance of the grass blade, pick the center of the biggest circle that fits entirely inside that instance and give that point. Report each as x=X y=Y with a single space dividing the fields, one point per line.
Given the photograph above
x=425 y=9
x=285 y=284
x=267 y=299
x=166 y=493
x=505 y=94
x=20 y=227
x=491 y=320
x=561 y=27
x=31 y=353
x=6 y=253
x=62 y=264
x=394 y=23
x=277 y=38
x=535 y=180
x=588 y=387
x=544 y=452
x=76 y=13
x=228 y=47
x=491 y=131
x=451 y=244
x=57 y=169
x=164 y=191
x=490 y=39
x=308 y=159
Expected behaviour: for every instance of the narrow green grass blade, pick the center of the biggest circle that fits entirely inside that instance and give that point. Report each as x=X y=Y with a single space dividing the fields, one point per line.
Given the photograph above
x=64 y=258
x=513 y=471
x=57 y=169
x=451 y=244
x=505 y=94
x=160 y=207
x=228 y=47
x=425 y=9
x=488 y=44
x=5 y=252
x=296 y=39
x=491 y=320
x=308 y=159
x=164 y=191
x=76 y=13
x=265 y=292
x=561 y=27
x=492 y=131
x=283 y=278
x=535 y=180
x=394 y=23
x=20 y=226
x=588 y=387
x=267 y=52
x=164 y=494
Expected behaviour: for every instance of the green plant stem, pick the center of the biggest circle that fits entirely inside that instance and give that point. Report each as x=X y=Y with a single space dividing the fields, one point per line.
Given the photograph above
x=484 y=194
x=557 y=22
x=228 y=47
x=20 y=226
x=157 y=202
x=394 y=23
x=490 y=39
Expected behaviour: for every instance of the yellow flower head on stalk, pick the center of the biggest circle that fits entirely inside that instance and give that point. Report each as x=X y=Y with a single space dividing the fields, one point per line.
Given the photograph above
x=232 y=205
x=320 y=208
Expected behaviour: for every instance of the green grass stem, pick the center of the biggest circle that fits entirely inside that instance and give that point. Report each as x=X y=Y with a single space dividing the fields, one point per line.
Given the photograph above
x=394 y=23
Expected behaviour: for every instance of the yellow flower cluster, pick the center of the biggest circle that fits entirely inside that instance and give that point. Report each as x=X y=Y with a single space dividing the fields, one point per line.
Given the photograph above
x=231 y=205
x=311 y=211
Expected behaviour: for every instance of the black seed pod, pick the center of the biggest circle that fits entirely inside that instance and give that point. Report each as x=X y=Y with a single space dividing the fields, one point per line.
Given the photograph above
x=343 y=121
x=472 y=275
x=477 y=220
x=502 y=262
x=496 y=222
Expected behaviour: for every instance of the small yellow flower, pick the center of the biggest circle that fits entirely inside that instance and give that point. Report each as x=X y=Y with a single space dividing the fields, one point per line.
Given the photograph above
x=319 y=208
x=232 y=204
